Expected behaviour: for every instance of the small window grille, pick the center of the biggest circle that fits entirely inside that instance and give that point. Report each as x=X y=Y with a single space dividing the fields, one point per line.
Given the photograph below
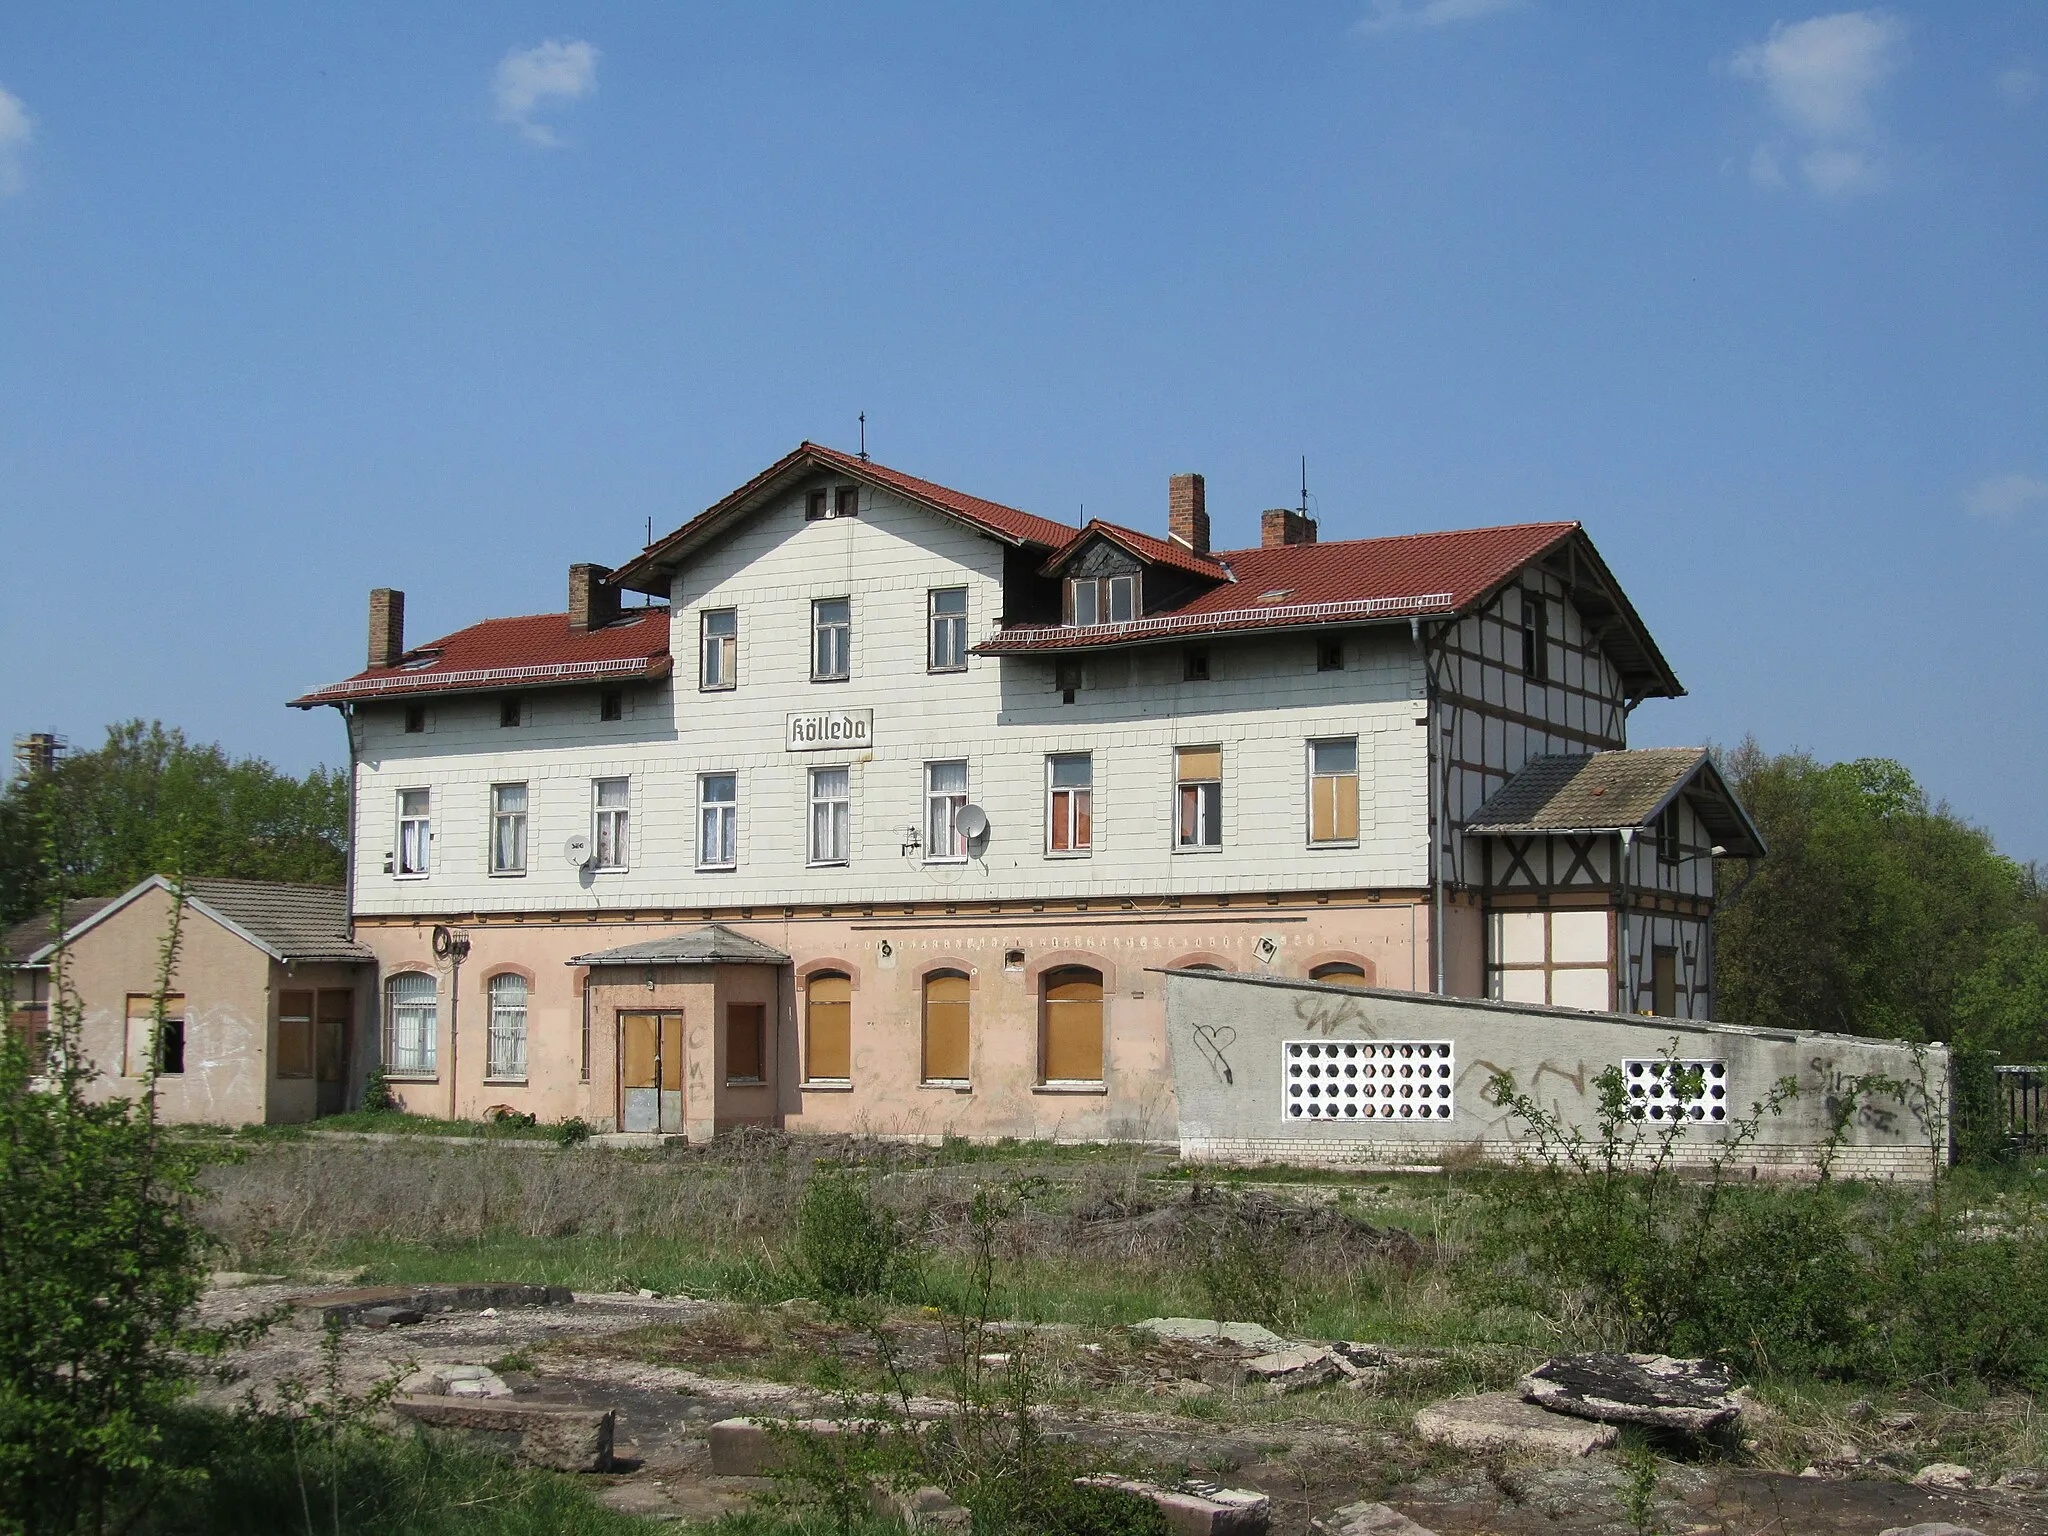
x=1657 y=1090
x=1367 y=1079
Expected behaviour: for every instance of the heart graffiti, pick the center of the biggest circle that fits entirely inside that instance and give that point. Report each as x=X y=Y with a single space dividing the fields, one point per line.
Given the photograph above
x=1214 y=1039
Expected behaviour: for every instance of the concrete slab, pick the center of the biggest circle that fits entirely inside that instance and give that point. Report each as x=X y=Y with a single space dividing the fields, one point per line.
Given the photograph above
x=1199 y=1509
x=1208 y=1330
x=562 y=1438
x=1368 y=1520
x=1498 y=1422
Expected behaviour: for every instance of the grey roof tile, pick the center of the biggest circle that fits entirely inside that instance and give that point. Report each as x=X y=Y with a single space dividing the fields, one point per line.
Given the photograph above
x=712 y=944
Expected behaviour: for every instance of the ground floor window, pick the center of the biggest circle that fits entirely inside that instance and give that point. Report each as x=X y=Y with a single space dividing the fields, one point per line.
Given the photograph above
x=745 y=1052
x=409 y=1024
x=295 y=1034
x=945 y=1027
x=505 y=1053
x=828 y=1027
x=1070 y=1025
x=152 y=1049
x=1341 y=973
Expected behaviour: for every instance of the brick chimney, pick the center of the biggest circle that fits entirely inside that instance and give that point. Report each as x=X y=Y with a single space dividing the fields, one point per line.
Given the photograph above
x=1279 y=526
x=1187 y=511
x=387 y=626
x=592 y=604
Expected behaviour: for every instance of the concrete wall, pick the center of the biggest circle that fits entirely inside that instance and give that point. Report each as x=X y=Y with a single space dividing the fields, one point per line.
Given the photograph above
x=1230 y=1038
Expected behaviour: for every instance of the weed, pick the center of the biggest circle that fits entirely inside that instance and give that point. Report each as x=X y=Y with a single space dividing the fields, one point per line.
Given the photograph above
x=850 y=1249
x=1639 y=1488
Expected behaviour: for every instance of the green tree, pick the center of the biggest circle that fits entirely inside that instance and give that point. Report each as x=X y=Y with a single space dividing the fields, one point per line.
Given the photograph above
x=128 y=804
x=1877 y=913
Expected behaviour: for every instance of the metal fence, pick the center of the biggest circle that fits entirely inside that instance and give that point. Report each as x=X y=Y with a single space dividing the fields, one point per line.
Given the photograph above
x=2022 y=1098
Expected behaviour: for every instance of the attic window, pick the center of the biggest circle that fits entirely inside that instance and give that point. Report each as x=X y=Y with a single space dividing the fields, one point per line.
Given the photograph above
x=1102 y=599
x=1278 y=594
x=421 y=662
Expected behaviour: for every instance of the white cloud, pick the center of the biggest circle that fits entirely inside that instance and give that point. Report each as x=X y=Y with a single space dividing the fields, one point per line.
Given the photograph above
x=16 y=129
x=2008 y=498
x=1822 y=76
x=1401 y=15
x=1764 y=169
x=2018 y=86
x=531 y=80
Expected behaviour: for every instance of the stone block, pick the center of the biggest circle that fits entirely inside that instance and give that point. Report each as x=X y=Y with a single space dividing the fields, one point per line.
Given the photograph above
x=1943 y=1474
x=1498 y=1422
x=1368 y=1520
x=1692 y=1396
x=1296 y=1369
x=559 y=1437
x=1207 y=1330
x=1199 y=1509
x=760 y=1447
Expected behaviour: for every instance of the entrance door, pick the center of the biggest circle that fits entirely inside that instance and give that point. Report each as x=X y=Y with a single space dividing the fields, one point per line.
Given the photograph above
x=651 y=1072
x=334 y=1033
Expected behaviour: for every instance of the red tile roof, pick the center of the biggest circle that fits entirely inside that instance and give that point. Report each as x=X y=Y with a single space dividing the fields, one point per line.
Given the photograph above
x=1300 y=584
x=1143 y=546
x=539 y=650
x=644 y=572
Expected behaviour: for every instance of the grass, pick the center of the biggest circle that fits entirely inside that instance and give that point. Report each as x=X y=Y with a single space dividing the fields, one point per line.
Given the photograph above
x=258 y=1483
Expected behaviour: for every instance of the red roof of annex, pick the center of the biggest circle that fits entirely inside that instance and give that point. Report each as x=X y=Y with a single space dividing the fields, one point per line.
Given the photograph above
x=536 y=650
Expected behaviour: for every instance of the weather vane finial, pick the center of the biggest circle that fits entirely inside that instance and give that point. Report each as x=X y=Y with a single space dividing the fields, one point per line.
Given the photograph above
x=863 y=437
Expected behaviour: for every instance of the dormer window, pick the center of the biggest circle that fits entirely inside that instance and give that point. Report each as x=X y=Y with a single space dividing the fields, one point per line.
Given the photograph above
x=840 y=501
x=1102 y=599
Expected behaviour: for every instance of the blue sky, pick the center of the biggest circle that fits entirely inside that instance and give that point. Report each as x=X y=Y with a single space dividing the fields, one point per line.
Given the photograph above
x=296 y=301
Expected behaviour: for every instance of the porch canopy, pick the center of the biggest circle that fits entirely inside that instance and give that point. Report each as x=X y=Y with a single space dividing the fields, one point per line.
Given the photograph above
x=1586 y=792
x=712 y=944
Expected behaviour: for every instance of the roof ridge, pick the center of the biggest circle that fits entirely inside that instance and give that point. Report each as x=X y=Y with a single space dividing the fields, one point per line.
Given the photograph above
x=1399 y=538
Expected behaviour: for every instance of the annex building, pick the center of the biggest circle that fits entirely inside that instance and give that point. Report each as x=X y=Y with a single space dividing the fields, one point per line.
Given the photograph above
x=861 y=803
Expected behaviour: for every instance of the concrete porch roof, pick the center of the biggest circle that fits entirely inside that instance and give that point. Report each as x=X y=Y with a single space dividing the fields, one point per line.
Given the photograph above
x=712 y=944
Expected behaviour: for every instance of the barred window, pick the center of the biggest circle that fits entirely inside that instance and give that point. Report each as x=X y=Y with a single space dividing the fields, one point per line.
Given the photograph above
x=410 y=1034
x=506 y=1055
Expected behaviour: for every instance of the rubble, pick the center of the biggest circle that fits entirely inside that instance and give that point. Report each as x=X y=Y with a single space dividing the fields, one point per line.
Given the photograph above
x=556 y=1436
x=1368 y=1520
x=1692 y=1396
x=1199 y=1509
x=1207 y=1330
x=1942 y=1474
x=1298 y=1368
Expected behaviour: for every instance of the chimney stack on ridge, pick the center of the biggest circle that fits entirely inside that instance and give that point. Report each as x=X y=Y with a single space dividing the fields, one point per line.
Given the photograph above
x=1279 y=526
x=1187 y=511
x=592 y=604
x=387 y=626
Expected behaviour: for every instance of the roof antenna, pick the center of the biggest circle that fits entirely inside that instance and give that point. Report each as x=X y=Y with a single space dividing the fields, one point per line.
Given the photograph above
x=1304 y=485
x=863 y=437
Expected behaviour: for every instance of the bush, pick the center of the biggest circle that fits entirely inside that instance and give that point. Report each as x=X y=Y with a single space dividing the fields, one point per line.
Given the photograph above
x=848 y=1248
x=378 y=1098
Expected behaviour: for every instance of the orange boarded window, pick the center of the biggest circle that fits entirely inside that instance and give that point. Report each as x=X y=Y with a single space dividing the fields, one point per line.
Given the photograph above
x=1071 y=1025
x=1341 y=973
x=945 y=1027
x=828 y=1027
x=1333 y=791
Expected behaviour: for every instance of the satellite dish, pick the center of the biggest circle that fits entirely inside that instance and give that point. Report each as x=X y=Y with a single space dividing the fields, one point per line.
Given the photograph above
x=972 y=821
x=577 y=851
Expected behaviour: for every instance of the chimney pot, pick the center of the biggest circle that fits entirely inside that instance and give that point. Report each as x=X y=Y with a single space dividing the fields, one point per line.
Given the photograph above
x=1187 y=511
x=592 y=604
x=387 y=626
x=1279 y=526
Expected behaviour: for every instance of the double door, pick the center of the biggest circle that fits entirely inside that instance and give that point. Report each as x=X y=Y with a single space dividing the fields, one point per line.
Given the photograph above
x=651 y=1072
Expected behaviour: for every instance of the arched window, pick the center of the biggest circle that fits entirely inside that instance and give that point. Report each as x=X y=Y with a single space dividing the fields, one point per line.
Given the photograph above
x=506 y=1055
x=945 y=1027
x=1070 y=1025
x=1340 y=973
x=409 y=1029
x=1199 y=965
x=828 y=1027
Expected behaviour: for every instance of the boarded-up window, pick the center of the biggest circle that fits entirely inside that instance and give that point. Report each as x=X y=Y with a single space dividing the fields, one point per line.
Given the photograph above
x=828 y=1027
x=331 y=1054
x=945 y=1027
x=1333 y=791
x=148 y=1049
x=743 y=1046
x=1341 y=973
x=1664 y=981
x=295 y=1034
x=1199 y=772
x=1560 y=957
x=1071 y=1025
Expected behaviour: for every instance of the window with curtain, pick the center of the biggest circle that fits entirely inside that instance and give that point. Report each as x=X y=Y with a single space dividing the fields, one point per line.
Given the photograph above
x=945 y=797
x=831 y=815
x=611 y=796
x=409 y=1024
x=294 y=1034
x=1069 y=811
x=1070 y=1025
x=945 y=1027
x=721 y=667
x=505 y=1053
x=718 y=820
x=1333 y=791
x=415 y=832
x=1199 y=774
x=508 y=829
x=828 y=1027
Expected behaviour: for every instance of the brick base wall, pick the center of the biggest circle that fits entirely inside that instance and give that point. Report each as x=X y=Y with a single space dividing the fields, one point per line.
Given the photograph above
x=1783 y=1161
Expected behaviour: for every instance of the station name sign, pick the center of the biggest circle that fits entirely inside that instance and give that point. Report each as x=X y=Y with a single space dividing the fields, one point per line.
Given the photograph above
x=830 y=730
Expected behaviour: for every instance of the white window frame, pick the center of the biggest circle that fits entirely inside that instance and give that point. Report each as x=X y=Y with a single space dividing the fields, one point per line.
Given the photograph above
x=505 y=1037
x=843 y=629
x=837 y=822
x=718 y=656
x=501 y=819
x=1053 y=809
x=942 y=808
x=611 y=829
x=414 y=859
x=1357 y=780
x=718 y=824
x=1200 y=844
x=428 y=1039
x=946 y=633
x=1105 y=595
